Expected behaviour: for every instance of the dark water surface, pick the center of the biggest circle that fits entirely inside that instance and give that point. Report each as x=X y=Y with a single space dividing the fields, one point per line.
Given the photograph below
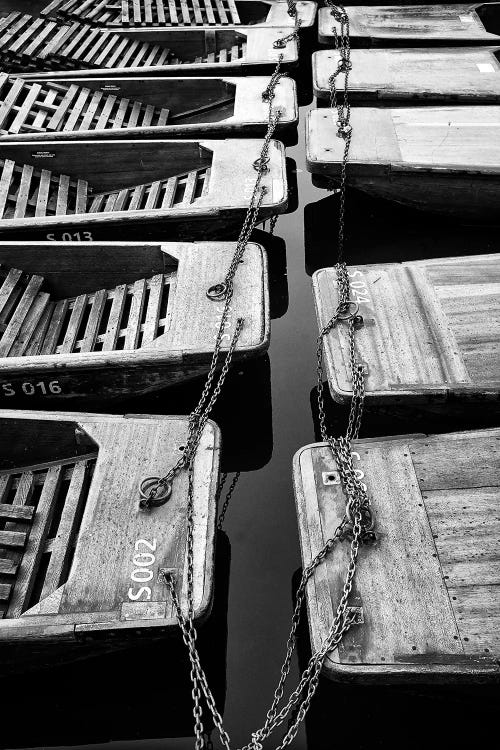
x=141 y=699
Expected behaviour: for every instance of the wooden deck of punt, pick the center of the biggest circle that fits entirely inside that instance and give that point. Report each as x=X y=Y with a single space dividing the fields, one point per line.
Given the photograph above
x=80 y=108
x=431 y=331
x=92 y=184
x=416 y=25
x=182 y=13
x=466 y=75
x=73 y=539
x=30 y=44
x=107 y=320
x=429 y=587
x=442 y=159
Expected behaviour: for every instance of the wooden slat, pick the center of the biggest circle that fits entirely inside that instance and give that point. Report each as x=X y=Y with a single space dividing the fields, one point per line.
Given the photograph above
x=11 y=512
x=235 y=18
x=172 y=9
x=94 y=320
x=25 y=109
x=39 y=530
x=76 y=316
x=91 y=111
x=24 y=192
x=35 y=344
x=189 y=191
x=58 y=116
x=5 y=591
x=223 y=19
x=55 y=326
x=209 y=11
x=153 y=195
x=7 y=290
x=43 y=193
x=168 y=195
x=153 y=309
x=20 y=314
x=197 y=12
x=106 y=112
x=81 y=196
x=62 y=195
x=135 y=315
x=63 y=542
x=77 y=108
x=30 y=324
x=12 y=539
x=5 y=182
x=185 y=12
x=8 y=567
x=115 y=316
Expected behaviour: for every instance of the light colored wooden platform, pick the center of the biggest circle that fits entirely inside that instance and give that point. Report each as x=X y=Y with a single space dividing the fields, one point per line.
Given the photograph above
x=93 y=466
x=103 y=320
x=183 y=13
x=429 y=588
x=28 y=44
x=431 y=330
x=464 y=75
x=98 y=182
x=37 y=108
x=445 y=159
x=416 y=25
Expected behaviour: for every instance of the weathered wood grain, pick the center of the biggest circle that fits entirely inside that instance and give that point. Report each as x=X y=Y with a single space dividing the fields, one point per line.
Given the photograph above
x=130 y=336
x=425 y=25
x=442 y=159
x=468 y=75
x=97 y=592
x=431 y=330
x=419 y=623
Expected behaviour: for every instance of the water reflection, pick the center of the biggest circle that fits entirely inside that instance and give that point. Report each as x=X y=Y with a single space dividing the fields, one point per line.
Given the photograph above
x=380 y=231
x=139 y=693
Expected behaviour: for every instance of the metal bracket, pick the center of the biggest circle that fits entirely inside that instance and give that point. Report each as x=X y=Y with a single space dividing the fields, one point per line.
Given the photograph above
x=331 y=477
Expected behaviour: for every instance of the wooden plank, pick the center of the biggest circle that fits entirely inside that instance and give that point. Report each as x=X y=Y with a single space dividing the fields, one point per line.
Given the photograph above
x=62 y=546
x=91 y=111
x=169 y=194
x=71 y=336
x=209 y=11
x=76 y=111
x=30 y=324
x=8 y=567
x=51 y=339
x=153 y=195
x=120 y=113
x=186 y=18
x=11 y=512
x=135 y=315
x=223 y=19
x=233 y=10
x=12 y=539
x=35 y=344
x=191 y=182
x=24 y=192
x=197 y=12
x=5 y=182
x=155 y=286
x=94 y=321
x=10 y=284
x=81 y=196
x=5 y=591
x=172 y=9
x=160 y=13
x=62 y=195
x=115 y=317
x=12 y=330
x=43 y=192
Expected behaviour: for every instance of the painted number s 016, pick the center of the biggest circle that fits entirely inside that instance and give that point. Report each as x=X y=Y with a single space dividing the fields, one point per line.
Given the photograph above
x=30 y=388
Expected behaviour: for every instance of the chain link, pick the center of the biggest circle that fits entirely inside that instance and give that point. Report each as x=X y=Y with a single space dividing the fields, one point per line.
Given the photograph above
x=357 y=523
x=229 y=495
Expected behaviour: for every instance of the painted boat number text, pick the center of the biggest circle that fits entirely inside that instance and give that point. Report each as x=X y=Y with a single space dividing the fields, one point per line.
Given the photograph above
x=143 y=561
x=359 y=288
x=70 y=237
x=31 y=389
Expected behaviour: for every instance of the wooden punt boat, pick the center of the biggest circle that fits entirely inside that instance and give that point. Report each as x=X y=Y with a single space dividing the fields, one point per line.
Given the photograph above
x=466 y=75
x=91 y=185
x=35 y=44
x=185 y=13
x=79 y=108
x=443 y=159
x=78 y=559
x=104 y=320
x=431 y=331
x=416 y=25
x=428 y=589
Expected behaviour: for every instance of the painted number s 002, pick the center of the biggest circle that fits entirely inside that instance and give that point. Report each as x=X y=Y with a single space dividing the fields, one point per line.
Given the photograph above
x=143 y=562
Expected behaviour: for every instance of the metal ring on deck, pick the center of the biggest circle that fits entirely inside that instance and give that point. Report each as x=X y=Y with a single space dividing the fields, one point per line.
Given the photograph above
x=261 y=164
x=153 y=492
x=279 y=44
x=345 y=312
x=217 y=291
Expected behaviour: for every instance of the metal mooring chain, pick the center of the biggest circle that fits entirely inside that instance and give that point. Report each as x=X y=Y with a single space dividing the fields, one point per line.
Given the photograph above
x=357 y=523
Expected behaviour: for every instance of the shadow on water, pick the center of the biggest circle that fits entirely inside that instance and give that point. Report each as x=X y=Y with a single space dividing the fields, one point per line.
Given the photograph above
x=383 y=232
x=135 y=694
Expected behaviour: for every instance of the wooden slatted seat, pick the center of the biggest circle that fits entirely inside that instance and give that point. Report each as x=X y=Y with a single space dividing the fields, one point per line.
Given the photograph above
x=28 y=44
x=128 y=316
x=27 y=107
x=43 y=503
